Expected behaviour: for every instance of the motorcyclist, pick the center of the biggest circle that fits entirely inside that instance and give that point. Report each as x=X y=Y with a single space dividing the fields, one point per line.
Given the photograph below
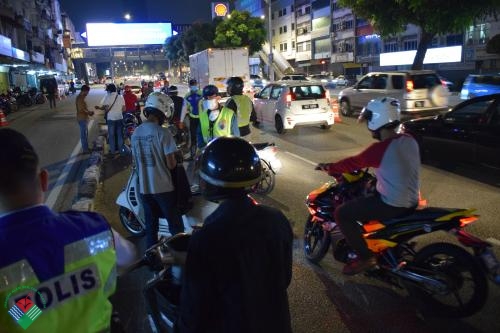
x=239 y=264
x=241 y=104
x=194 y=98
x=180 y=107
x=59 y=261
x=215 y=122
x=396 y=160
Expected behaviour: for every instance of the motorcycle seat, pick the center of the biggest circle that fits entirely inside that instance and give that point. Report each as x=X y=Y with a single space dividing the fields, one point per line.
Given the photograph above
x=262 y=145
x=430 y=213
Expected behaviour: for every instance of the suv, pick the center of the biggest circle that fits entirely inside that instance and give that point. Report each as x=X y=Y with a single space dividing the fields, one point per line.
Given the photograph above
x=418 y=91
x=480 y=85
x=289 y=104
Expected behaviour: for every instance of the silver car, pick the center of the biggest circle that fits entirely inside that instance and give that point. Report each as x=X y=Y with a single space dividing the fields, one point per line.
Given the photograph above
x=419 y=92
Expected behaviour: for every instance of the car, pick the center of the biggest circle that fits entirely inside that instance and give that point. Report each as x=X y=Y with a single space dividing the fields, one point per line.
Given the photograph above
x=294 y=77
x=257 y=82
x=468 y=133
x=286 y=105
x=78 y=84
x=480 y=85
x=420 y=92
x=340 y=81
x=324 y=79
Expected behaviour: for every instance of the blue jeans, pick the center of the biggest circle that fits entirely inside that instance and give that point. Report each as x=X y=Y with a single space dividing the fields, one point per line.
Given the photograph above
x=160 y=205
x=115 y=135
x=84 y=134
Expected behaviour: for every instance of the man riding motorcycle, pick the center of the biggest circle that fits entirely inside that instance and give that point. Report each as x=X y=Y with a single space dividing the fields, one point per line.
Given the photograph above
x=396 y=160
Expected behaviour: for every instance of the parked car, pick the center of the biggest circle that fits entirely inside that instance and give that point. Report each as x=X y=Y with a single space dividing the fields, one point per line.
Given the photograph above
x=480 y=85
x=257 y=82
x=289 y=104
x=469 y=133
x=294 y=77
x=324 y=79
x=340 y=80
x=419 y=92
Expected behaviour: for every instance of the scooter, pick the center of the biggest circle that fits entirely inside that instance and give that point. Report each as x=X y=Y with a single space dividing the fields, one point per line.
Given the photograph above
x=271 y=165
x=131 y=212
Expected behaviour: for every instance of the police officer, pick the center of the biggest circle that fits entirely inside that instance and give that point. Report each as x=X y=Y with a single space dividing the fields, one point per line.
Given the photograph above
x=215 y=122
x=194 y=99
x=241 y=104
x=59 y=266
x=239 y=264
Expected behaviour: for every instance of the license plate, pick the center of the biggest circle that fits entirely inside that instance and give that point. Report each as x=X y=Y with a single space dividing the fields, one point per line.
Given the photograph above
x=419 y=104
x=310 y=106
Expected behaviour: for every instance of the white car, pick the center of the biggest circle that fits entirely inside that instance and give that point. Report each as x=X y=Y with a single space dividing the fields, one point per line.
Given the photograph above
x=340 y=80
x=293 y=103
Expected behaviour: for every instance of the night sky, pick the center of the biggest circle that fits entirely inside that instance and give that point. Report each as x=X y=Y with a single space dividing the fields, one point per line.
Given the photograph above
x=175 y=11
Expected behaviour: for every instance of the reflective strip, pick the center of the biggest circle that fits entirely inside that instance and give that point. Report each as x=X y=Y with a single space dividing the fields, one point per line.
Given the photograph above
x=194 y=115
x=16 y=274
x=87 y=247
x=110 y=283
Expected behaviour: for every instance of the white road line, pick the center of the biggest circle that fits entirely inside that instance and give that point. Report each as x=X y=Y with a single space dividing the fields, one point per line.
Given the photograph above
x=60 y=182
x=493 y=241
x=301 y=158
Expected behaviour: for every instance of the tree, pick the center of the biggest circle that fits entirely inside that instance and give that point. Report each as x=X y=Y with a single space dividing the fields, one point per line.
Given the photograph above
x=198 y=37
x=390 y=17
x=174 y=51
x=241 y=29
x=493 y=45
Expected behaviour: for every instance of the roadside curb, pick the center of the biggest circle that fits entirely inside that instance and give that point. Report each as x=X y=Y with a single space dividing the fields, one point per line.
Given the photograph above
x=84 y=199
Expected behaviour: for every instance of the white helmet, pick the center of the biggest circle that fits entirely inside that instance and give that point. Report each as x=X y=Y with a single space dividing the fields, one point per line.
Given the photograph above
x=159 y=101
x=381 y=112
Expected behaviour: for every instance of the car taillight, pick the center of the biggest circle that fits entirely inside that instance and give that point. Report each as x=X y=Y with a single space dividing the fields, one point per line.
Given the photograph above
x=443 y=83
x=289 y=98
x=409 y=86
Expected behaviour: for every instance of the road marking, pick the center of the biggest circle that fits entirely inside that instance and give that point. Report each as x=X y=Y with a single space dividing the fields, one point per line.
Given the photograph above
x=60 y=182
x=493 y=241
x=301 y=158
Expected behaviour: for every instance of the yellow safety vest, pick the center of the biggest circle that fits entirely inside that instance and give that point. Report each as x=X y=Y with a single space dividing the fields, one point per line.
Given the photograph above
x=76 y=301
x=244 y=109
x=221 y=126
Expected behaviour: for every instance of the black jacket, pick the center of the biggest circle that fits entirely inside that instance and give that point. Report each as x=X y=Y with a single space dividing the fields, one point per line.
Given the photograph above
x=238 y=268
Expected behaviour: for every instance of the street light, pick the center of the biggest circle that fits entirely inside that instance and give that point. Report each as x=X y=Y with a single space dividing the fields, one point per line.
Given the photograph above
x=127 y=16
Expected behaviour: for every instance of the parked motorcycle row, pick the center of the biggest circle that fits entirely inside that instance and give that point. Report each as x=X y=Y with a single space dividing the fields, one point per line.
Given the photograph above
x=15 y=98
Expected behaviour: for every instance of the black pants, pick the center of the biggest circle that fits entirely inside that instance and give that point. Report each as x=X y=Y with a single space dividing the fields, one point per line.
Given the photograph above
x=363 y=210
x=52 y=100
x=194 y=123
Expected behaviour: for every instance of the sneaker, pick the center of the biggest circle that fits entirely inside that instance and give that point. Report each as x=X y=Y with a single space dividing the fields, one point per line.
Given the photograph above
x=359 y=266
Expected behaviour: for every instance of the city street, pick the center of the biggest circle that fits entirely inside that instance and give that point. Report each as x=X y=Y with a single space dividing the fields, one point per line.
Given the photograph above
x=321 y=298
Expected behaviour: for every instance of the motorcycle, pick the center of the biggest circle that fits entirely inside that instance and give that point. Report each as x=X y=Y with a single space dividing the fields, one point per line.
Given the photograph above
x=444 y=279
x=162 y=292
x=271 y=165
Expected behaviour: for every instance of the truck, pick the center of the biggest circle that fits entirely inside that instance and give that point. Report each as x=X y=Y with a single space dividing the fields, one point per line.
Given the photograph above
x=216 y=65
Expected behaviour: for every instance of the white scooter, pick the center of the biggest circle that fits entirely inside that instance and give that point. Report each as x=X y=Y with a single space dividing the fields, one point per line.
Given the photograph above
x=271 y=165
x=132 y=213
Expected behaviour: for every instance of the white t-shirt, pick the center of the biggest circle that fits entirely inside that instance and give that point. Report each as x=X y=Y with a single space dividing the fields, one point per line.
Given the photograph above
x=116 y=111
x=150 y=144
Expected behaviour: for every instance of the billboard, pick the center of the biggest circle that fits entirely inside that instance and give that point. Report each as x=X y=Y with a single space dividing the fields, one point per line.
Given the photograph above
x=432 y=56
x=114 y=34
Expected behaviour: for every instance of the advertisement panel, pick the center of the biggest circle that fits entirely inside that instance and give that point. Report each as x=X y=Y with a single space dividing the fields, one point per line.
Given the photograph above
x=115 y=34
x=432 y=56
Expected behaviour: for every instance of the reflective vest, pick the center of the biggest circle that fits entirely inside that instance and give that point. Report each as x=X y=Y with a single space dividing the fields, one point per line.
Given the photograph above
x=194 y=103
x=220 y=127
x=244 y=109
x=72 y=300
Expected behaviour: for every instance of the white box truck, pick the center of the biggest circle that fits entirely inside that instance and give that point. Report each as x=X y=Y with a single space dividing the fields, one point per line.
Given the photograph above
x=215 y=66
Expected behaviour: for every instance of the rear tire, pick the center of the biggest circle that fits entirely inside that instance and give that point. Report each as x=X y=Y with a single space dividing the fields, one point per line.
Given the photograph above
x=326 y=127
x=316 y=241
x=460 y=271
x=278 y=124
x=130 y=222
x=345 y=108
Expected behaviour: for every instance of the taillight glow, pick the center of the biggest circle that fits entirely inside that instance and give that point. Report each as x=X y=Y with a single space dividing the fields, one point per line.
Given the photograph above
x=467 y=220
x=409 y=86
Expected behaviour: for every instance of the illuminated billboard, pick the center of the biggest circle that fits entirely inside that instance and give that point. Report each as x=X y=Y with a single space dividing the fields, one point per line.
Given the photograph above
x=432 y=56
x=114 y=34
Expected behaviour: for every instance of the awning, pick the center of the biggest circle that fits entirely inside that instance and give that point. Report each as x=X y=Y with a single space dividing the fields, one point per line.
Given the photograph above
x=351 y=65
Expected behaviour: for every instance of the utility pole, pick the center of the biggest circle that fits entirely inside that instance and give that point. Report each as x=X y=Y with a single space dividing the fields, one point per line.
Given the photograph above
x=270 y=71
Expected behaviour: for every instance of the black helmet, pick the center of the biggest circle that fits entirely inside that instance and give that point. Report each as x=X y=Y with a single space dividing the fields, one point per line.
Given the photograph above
x=235 y=85
x=193 y=82
x=173 y=90
x=228 y=165
x=111 y=88
x=210 y=90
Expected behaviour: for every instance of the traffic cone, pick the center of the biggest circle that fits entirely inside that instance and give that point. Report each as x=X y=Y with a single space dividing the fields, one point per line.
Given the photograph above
x=3 y=119
x=335 y=110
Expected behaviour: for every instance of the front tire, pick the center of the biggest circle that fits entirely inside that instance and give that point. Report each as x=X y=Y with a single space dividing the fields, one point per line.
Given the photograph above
x=268 y=180
x=130 y=222
x=461 y=273
x=316 y=241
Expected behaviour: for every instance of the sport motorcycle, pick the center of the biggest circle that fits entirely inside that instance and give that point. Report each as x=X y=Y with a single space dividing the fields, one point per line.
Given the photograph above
x=444 y=279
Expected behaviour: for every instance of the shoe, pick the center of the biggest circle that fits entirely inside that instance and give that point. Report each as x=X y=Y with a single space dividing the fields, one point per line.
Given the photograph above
x=359 y=266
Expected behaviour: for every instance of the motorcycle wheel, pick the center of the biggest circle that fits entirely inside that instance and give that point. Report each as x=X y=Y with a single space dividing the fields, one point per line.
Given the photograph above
x=316 y=241
x=130 y=222
x=267 y=181
x=27 y=102
x=467 y=284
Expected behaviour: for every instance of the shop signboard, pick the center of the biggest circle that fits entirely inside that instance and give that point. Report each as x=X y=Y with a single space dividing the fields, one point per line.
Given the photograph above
x=20 y=54
x=5 y=46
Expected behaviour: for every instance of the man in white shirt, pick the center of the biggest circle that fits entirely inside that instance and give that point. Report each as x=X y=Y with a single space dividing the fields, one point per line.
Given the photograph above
x=113 y=105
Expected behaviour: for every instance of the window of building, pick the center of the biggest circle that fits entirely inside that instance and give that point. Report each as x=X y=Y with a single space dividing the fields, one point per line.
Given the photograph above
x=293 y=45
x=291 y=8
x=321 y=22
x=304 y=46
x=274 y=32
x=322 y=45
x=452 y=40
x=283 y=47
x=284 y=28
x=272 y=16
x=281 y=30
x=280 y=13
x=293 y=26
x=390 y=47
x=303 y=28
x=409 y=44
x=348 y=25
x=284 y=11
x=308 y=9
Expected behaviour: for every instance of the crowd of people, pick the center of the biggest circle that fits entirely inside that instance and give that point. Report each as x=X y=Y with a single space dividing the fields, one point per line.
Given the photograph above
x=239 y=264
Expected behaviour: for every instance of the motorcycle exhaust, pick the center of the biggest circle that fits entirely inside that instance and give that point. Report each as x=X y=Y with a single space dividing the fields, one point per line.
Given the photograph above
x=419 y=279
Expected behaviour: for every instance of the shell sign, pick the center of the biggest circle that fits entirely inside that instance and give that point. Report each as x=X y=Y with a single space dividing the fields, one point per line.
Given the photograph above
x=219 y=9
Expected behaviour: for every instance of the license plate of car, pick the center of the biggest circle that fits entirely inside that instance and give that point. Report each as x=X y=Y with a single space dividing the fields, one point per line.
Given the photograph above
x=419 y=104
x=310 y=106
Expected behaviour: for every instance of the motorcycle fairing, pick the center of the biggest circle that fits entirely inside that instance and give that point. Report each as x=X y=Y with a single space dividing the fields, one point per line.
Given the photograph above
x=320 y=190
